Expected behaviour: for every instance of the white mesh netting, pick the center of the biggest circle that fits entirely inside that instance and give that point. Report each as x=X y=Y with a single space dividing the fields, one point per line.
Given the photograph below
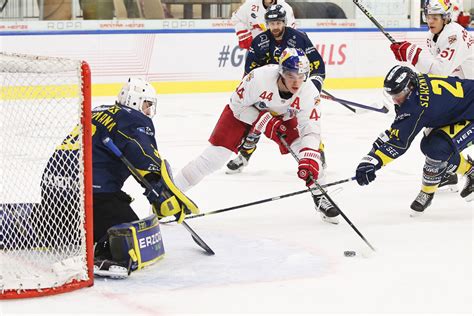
x=42 y=235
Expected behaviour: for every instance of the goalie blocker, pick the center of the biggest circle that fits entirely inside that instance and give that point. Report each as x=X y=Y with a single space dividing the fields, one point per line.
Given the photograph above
x=131 y=246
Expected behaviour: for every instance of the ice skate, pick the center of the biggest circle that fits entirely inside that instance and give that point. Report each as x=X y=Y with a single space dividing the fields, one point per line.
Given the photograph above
x=327 y=210
x=111 y=269
x=468 y=188
x=422 y=201
x=238 y=164
x=449 y=183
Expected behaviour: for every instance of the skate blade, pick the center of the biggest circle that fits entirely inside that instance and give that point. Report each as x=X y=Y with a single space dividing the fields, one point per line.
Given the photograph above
x=114 y=272
x=229 y=171
x=330 y=220
x=453 y=188
x=469 y=198
x=414 y=214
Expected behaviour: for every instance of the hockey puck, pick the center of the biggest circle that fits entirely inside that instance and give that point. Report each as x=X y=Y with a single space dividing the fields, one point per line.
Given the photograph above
x=349 y=253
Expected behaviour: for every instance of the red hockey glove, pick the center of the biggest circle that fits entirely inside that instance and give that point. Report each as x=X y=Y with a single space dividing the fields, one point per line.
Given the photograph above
x=464 y=20
x=245 y=39
x=308 y=168
x=406 y=51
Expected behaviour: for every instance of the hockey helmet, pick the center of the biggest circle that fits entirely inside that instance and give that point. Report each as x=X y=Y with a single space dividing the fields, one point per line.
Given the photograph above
x=442 y=7
x=135 y=93
x=399 y=82
x=276 y=12
x=294 y=60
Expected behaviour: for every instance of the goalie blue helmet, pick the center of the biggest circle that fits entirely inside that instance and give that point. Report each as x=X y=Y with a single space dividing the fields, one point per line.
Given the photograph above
x=294 y=60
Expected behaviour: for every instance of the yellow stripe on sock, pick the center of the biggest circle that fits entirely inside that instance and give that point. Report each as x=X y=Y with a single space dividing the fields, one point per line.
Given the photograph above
x=429 y=188
x=464 y=166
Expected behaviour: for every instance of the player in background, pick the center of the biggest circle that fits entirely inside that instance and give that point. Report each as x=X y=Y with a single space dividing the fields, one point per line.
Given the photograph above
x=117 y=228
x=459 y=15
x=450 y=53
x=273 y=99
x=266 y=49
x=249 y=19
x=445 y=104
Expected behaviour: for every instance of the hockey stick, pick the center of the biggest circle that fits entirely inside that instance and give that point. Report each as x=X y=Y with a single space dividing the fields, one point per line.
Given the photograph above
x=371 y=18
x=326 y=195
x=342 y=102
x=275 y=198
x=3 y=6
x=117 y=152
x=328 y=96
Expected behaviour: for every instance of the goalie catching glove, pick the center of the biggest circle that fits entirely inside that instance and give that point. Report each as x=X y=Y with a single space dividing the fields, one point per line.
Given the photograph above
x=166 y=198
x=308 y=167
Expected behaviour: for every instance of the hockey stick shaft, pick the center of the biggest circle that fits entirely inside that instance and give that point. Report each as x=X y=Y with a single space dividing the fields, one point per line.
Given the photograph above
x=342 y=102
x=275 y=198
x=371 y=18
x=117 y=152
x=328 y=96
x=321 y=189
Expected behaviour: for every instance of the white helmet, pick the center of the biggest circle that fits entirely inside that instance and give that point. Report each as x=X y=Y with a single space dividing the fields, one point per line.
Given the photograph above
x=137 y=91
x=442 y=7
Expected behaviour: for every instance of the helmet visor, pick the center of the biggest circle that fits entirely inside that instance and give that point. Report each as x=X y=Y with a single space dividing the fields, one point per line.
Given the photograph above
x=293 y=74
x=149 y=107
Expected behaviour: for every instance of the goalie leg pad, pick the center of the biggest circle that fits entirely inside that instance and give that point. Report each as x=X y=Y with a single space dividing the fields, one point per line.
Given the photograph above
x=138 y=242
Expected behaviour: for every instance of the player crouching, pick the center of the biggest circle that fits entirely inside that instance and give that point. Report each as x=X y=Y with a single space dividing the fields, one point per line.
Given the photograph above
x=445 y=106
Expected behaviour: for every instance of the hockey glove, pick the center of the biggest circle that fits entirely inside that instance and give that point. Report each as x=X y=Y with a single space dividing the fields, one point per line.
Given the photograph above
x=317 y=82
x=167 y=199
x=406 y=51
x=245 y=39
x=464 y=19
x=308 y=167
x=365 y=172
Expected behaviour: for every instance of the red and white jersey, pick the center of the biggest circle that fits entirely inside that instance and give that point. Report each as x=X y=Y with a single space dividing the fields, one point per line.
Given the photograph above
x=451 y=55
x=458 y=7
x=259 y=91
x=251 y=16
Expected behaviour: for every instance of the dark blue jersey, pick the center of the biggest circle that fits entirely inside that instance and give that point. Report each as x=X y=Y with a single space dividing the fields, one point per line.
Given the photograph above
x=265 y=50
x=436 y=102
x=134 y=134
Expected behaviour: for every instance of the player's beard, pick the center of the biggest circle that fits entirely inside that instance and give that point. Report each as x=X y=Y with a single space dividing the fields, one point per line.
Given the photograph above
x=278 y=34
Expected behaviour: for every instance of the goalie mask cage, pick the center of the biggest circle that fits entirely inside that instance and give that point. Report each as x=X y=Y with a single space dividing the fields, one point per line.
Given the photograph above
x=46 y=243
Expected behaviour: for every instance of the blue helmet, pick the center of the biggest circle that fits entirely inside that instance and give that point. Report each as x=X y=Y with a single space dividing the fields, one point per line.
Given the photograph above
x=398 y=79
x=294 y=60
x=275 y=12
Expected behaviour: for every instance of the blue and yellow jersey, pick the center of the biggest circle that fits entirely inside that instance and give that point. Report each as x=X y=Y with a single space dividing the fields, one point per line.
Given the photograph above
x=265 y=50
x=437 y=102
x=134 y=134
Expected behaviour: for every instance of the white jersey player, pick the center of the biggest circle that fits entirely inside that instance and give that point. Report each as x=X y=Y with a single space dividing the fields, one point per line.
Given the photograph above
x=449 y=53
x=277 y=100
x=450 y=47
x=459 y=15
x=249 y=19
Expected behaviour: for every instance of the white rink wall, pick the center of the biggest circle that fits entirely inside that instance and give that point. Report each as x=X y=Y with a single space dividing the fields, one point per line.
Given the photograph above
x=206 y=60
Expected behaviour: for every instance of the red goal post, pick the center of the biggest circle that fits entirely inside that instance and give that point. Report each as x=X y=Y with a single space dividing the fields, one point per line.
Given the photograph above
x=46 y=242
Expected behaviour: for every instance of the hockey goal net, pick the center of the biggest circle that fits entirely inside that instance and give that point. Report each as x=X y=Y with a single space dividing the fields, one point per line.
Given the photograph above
x=45 y=176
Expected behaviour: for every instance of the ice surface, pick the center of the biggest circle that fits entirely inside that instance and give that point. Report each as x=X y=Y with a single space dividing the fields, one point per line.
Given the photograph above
x=279 y=257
